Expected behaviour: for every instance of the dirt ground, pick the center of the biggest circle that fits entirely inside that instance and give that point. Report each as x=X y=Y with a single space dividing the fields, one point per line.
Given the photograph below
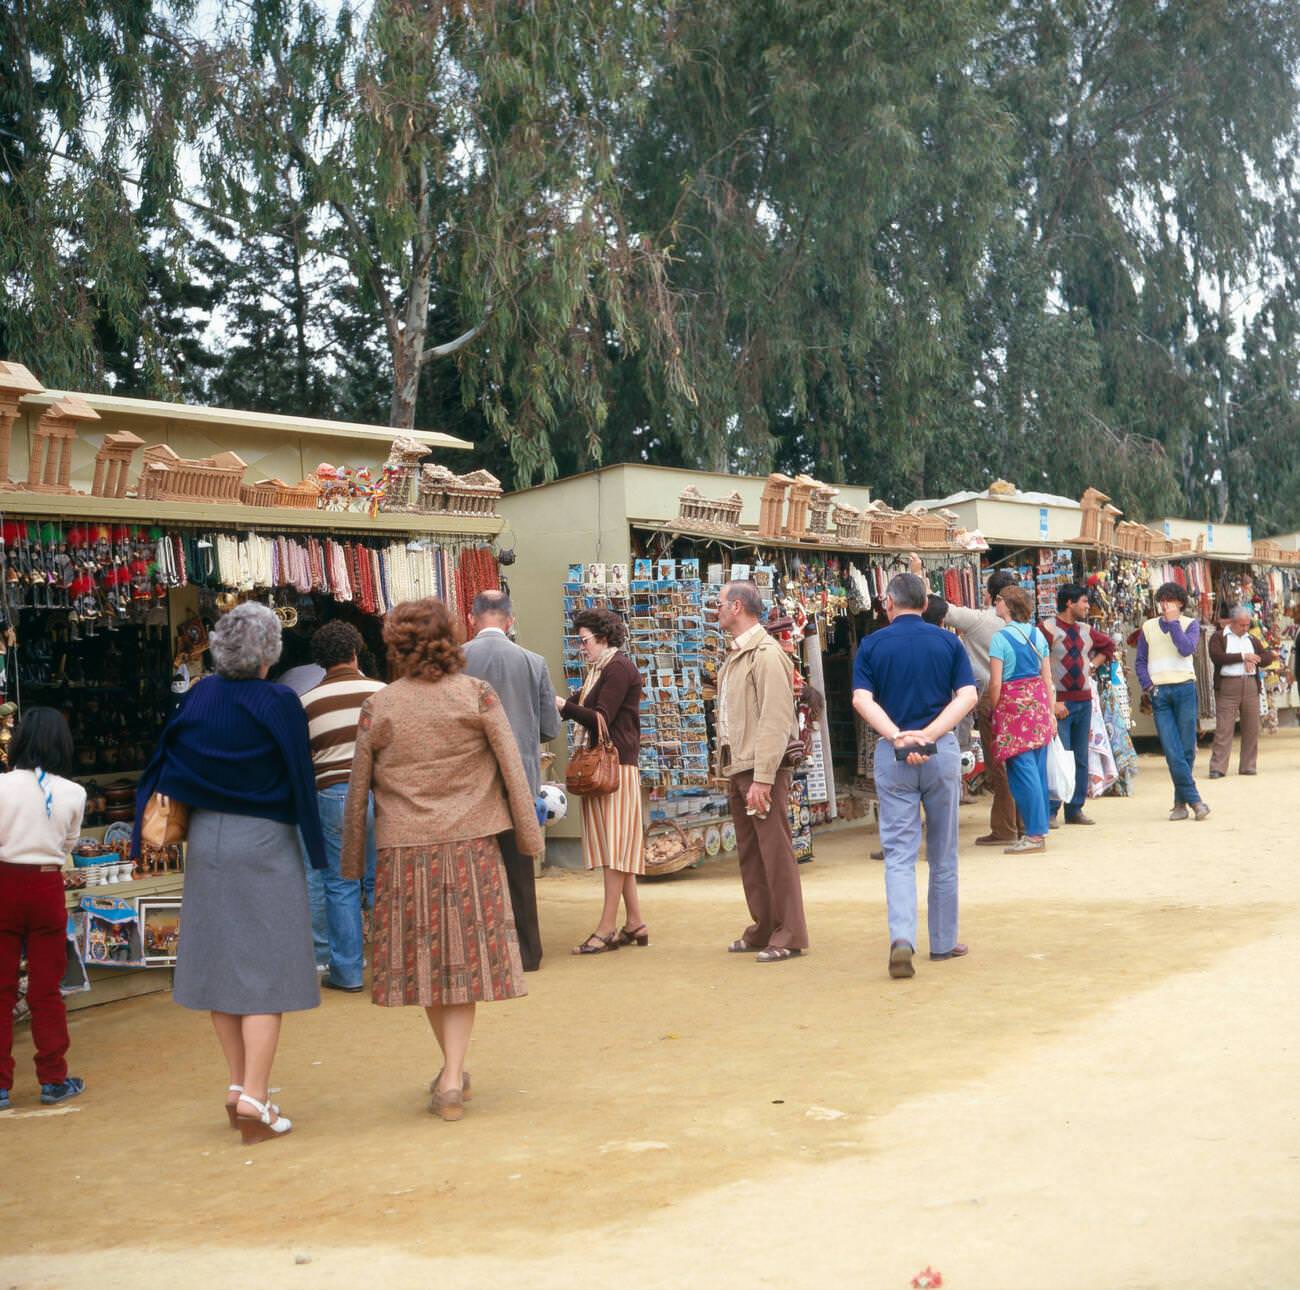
x=1103 y=1095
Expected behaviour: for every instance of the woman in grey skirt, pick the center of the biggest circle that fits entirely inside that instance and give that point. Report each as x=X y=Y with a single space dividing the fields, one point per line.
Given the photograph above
x=236 y=752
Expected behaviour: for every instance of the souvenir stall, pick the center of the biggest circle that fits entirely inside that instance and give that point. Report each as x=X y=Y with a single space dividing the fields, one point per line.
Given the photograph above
x=821 y=557
x=117 y=557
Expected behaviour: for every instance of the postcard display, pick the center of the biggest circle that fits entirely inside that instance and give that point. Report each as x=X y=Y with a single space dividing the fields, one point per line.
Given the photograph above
x=670 y=607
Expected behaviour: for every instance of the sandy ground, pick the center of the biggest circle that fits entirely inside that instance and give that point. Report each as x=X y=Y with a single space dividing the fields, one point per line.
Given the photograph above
x=1102 y=1095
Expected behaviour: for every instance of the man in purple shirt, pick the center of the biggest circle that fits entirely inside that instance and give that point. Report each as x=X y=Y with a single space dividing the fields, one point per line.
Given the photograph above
x=1166 y=671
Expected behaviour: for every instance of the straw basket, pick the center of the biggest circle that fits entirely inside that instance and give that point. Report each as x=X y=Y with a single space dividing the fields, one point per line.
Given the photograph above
x=671 y=849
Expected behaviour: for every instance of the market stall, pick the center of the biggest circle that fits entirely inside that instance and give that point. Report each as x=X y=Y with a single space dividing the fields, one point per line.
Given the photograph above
x=119 y=554
x=657 y=545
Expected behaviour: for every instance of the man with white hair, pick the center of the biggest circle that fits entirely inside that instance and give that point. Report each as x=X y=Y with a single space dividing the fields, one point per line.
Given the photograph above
x=1237 y=657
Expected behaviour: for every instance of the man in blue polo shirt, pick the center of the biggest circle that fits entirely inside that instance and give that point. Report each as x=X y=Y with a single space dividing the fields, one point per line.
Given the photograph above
x=912 y=684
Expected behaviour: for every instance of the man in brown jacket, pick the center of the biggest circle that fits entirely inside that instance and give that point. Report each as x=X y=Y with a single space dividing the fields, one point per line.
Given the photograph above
x=755 y=722
x=1237 y=657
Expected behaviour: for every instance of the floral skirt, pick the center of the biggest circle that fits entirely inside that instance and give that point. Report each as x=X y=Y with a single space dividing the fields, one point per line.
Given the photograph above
x=443 y=930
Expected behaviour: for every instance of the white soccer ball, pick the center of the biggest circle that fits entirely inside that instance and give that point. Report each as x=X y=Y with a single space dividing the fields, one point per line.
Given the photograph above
x=968 y=761
x=557 y=802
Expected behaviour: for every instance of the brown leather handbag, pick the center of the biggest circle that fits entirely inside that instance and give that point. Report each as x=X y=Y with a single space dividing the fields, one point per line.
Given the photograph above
x=166 y=822
x=593 y=771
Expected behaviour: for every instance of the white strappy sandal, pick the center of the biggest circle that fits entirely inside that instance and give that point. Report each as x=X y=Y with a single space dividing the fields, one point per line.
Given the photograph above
x=266 y=1124
x=231 y=1106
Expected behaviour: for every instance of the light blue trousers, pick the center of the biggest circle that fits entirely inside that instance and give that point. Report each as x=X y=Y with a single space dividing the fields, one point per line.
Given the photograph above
x=903 y=792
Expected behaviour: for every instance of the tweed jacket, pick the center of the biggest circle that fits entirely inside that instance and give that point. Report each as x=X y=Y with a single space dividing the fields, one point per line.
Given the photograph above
x=756 y=681
x=443 y=765
x=523 y=685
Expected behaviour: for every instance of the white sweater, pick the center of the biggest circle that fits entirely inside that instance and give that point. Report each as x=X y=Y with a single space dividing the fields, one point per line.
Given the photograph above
x=27 y=834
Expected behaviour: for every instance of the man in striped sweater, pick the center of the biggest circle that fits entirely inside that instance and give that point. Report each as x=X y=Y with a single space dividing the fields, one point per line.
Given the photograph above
x=333 y=709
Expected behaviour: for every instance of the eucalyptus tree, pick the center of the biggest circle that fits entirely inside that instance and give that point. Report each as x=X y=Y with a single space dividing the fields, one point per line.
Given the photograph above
x=1154 y=141
x=826 y=173
x=88 y=129
x=458 y=159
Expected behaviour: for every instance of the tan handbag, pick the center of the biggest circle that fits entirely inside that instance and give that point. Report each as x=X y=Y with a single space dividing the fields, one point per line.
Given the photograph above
x=166 y=822
x=593 y=771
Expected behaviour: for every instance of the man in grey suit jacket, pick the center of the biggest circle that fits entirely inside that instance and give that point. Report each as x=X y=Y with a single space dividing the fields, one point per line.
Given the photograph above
x=521 y=680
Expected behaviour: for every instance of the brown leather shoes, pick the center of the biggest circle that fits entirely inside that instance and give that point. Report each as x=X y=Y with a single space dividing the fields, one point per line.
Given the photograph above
x=958 y=951
x=992 y=840
x=900 y=960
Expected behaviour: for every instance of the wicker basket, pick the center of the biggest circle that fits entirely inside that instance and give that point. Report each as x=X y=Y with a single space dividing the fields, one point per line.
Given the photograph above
x=675 y=850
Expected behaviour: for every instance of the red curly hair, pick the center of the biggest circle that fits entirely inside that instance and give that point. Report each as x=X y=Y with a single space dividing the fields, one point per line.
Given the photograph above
x=423 y=640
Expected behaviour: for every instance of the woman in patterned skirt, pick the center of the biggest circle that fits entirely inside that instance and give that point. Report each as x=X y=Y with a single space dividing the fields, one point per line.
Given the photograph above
x=612 y=836
x=436 y=750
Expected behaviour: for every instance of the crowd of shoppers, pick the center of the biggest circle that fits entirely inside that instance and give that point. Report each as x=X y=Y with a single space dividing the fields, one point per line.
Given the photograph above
x=423 y=795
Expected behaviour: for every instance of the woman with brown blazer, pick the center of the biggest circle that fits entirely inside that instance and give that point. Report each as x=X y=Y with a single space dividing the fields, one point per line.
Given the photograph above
x=612 y=836
x=1238 y=657
x=436 y=750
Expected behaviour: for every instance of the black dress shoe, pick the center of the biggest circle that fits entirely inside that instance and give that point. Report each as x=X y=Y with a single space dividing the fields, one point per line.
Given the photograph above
x=347 y=989
x=1216 y=774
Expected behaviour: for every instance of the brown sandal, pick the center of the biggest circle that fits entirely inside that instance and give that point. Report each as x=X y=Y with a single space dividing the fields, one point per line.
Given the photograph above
x=634 y=936
x=447 y=1103
x=466 y=1091
x=603 y=944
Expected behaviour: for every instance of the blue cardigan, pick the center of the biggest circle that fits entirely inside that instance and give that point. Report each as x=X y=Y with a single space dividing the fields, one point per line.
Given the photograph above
x=239 y=747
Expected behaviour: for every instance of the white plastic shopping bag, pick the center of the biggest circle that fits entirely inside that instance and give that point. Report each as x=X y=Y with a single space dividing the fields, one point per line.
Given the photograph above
x=1060 y=771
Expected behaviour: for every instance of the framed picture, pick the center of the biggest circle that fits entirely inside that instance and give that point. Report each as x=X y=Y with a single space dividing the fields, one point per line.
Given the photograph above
x=160 y=929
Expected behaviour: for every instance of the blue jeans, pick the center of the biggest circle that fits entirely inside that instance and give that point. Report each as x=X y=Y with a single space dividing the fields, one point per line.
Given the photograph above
x=1074 y=729
x=1174 y=709
x=1027 y=774
x=903 y=791
x=335 y=900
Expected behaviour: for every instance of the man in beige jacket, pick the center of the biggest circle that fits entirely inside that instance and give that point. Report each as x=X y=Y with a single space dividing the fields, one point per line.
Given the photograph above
x=755 y=722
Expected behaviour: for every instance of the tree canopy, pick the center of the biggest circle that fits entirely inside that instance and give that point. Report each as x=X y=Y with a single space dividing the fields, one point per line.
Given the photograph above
x=913 y=245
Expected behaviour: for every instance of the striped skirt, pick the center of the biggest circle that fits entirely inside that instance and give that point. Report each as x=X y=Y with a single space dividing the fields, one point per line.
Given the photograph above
x=443 y=930
x=612 y=836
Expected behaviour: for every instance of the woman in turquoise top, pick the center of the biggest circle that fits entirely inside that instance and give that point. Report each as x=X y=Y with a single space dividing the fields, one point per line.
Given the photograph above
x=1019 y=653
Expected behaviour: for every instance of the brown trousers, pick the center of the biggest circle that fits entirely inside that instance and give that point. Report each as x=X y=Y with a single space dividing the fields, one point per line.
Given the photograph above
x=1003 y=820
x=768 y=869
x=1237 y=696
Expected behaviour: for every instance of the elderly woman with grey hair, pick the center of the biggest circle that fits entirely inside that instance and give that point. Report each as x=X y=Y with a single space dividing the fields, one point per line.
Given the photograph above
x=236 y=752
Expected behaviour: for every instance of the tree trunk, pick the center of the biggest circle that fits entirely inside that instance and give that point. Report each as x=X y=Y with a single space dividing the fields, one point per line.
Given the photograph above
x=408 y=344
x=302 y=364
x=406 y=383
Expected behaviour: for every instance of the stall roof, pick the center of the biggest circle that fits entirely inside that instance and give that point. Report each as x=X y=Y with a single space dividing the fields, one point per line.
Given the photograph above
x=1029 y=499
x=235 y=419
